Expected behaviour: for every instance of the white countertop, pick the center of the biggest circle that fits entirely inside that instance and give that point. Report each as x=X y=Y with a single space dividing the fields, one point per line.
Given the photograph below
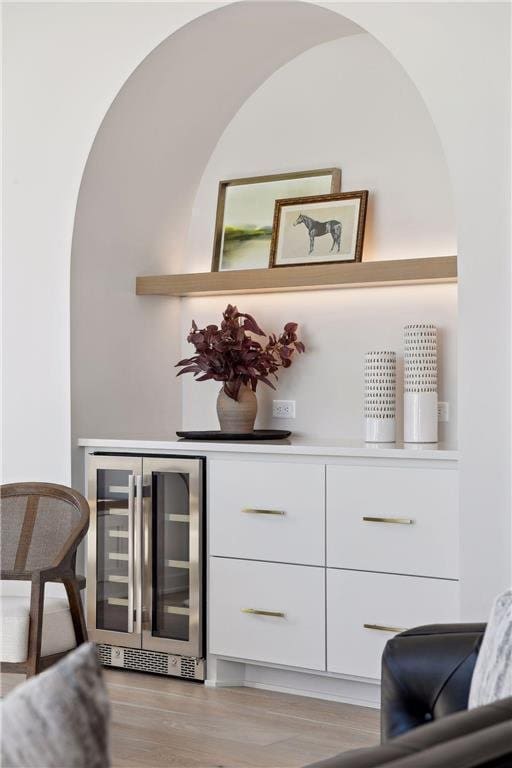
x=292 y=446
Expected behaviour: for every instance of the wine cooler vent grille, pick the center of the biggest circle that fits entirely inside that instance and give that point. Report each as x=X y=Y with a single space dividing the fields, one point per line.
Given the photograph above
x=146 y=661
x=151 y=661
x=104 y=653
x=188 y=667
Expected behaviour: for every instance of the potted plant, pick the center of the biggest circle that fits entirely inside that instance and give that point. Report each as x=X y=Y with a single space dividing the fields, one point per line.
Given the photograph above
x=232 y=355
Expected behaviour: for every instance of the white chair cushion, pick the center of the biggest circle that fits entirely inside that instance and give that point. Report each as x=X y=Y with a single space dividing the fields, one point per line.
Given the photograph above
x=58 y=633
x=15 y=588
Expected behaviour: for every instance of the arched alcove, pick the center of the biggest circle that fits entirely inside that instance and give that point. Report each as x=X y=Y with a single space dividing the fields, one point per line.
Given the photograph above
x=138 y=192
x=136 y=196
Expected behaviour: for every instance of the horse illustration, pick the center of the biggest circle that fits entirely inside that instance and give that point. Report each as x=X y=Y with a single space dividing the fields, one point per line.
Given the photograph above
x=319 y=228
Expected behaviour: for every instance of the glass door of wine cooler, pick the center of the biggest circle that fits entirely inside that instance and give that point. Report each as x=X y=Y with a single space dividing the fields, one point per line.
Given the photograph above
x=114 y=610
x=173 y=574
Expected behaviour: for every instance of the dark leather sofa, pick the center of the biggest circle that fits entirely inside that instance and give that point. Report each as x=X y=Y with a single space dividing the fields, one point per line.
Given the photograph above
x=426 y=677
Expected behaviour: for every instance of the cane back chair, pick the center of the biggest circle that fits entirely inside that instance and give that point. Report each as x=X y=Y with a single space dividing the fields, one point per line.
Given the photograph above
x=41 y=526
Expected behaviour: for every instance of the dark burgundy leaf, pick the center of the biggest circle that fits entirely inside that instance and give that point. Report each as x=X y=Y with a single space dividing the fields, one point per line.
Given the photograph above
x=184 y=362
x=188 y=369
x=227 y=353
x=252 y=326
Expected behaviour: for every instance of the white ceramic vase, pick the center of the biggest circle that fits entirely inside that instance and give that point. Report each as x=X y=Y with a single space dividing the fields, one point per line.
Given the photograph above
x=380 y=397
x=420 y=383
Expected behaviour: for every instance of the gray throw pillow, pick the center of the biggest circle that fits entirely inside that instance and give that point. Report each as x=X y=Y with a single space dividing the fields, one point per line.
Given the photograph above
x=60 y=718
x=492 y=677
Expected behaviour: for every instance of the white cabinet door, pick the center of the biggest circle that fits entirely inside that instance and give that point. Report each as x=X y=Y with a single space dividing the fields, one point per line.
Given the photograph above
x=398 y=520
x=267 y=612
x=266 y=510
x=385 y=604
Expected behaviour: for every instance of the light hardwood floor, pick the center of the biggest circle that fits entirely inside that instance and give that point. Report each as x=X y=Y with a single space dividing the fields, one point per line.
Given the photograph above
x=160 y=721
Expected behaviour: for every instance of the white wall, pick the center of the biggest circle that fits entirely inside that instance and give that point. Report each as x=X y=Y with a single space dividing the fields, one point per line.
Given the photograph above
x=367 y=118
x=350 y=104
x=337 y=328
x=63 y=65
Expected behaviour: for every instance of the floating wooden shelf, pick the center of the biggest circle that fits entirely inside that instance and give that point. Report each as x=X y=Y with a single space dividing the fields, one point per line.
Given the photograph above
x=442 y=269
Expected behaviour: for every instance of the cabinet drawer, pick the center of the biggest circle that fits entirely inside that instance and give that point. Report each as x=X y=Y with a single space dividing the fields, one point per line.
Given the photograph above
x=267 y=511
x=416 y=530
x=383 y=600
x=296 y=638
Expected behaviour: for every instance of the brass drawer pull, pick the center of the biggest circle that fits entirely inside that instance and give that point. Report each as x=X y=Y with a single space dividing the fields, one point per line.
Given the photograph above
x=263 y=511
x=395 y=520
x=256 y=612
x=384 y=628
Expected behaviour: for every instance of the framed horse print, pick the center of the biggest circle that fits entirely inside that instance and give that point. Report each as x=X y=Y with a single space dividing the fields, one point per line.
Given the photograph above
x=245 y=208
x=318 y=229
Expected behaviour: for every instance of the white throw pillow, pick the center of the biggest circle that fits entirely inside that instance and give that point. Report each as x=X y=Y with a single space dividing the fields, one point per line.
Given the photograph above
x=492 y=677
x=60 y=718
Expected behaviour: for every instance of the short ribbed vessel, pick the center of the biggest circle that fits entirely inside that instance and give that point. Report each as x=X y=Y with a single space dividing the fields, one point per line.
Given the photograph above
x=380 y=397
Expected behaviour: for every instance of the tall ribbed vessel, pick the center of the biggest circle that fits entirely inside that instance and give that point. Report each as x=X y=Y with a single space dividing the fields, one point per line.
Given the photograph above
x=380 y=397
x=420 y=383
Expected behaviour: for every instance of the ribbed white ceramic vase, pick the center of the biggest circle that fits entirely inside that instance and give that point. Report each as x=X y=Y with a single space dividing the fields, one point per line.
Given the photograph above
x=420 y=383
x=380 y=397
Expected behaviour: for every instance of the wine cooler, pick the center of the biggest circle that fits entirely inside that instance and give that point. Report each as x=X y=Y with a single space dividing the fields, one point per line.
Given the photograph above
x=145 y=590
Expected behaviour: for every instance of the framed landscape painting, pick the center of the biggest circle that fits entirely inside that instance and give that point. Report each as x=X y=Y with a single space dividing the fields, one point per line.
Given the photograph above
x=319 y=230
x=245 y=211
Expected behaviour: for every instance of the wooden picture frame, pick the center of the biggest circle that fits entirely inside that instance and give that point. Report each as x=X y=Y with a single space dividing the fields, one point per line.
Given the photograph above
x=330 y=178
x=342 y=221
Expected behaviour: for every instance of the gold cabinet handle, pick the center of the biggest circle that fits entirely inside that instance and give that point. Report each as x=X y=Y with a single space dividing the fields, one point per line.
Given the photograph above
x=257 y=612
x=263 y=511
x=395 y=520
x=384 y=628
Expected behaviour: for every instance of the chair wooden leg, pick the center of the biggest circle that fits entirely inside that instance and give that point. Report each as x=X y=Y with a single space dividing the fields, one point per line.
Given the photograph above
x=35 y=632
x=77 y=611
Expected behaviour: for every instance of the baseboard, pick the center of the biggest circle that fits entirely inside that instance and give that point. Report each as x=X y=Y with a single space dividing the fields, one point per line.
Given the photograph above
x=359 y=693
x=220 y=684
x=223 y=673
x=341 y=698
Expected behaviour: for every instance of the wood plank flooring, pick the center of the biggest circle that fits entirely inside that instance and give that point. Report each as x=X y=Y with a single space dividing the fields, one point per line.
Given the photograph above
x=159 y=721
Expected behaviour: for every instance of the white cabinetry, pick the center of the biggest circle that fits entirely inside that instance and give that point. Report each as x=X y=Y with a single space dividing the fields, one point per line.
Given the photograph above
x=262 y=510
x=365 y=609
x=392 y=519
x=344 y=553
x=307 y=544
x=268 y=612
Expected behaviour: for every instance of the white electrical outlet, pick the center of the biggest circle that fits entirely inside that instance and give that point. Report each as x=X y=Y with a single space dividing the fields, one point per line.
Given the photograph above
x=443 y=411
x=283 y=409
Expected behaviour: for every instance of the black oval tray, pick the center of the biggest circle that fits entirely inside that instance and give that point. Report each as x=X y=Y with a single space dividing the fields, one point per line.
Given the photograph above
x=216 y=434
